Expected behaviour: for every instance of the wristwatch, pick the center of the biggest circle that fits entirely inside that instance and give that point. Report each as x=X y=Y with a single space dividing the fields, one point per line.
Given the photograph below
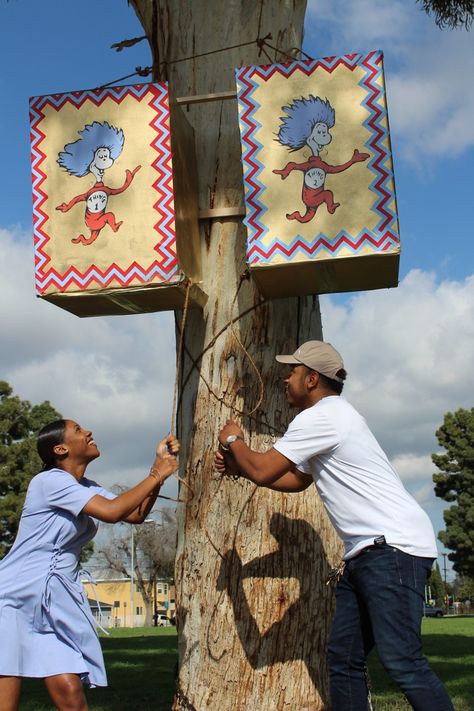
x=229 y=440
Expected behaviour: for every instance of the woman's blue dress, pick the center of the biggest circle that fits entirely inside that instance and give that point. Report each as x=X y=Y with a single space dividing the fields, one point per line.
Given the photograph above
x=46 y=626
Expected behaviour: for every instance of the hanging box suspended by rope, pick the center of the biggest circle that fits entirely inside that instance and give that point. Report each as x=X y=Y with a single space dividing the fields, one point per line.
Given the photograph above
x=114 y=201
x=319 y=186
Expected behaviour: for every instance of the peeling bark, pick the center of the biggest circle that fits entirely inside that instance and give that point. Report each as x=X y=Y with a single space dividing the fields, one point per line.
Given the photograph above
x=253 y=607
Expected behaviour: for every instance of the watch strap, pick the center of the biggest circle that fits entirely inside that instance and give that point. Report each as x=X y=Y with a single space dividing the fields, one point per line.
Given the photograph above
x=236 y=438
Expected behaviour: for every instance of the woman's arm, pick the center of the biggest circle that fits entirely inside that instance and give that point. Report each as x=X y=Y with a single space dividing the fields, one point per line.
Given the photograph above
x=134 y=505
x=139 y=514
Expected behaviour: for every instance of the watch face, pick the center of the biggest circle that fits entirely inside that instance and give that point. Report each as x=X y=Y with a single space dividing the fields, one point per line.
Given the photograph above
x=231 y=438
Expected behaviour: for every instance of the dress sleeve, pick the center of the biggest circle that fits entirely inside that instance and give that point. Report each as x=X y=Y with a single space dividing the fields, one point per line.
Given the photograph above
x=62 y=491
x=98 y=489
x=307 y=436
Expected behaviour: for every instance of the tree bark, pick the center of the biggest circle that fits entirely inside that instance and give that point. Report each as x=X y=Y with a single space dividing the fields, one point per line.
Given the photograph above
x=253 y=606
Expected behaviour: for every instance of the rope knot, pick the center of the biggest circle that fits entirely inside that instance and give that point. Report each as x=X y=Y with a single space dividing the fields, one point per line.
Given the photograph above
x=143 y=71
x=261 y=42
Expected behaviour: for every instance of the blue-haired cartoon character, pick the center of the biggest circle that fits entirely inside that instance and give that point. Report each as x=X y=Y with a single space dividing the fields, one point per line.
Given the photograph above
x=96 y=150
x=307 y=122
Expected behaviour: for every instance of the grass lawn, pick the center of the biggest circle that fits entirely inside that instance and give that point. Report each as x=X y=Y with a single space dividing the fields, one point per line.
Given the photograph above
x=448 y=642
x=141 y=663
x=140 y=667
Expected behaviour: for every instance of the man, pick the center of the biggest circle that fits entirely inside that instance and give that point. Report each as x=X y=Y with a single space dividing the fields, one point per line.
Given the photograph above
x=388 y=539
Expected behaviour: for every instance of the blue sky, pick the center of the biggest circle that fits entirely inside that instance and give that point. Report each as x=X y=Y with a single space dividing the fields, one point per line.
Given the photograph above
x=61 y=44
x=409 y=350
x=59 y=50
x=430 y=105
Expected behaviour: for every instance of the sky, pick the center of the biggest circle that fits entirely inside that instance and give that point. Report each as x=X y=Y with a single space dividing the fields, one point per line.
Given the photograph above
x=408 y=350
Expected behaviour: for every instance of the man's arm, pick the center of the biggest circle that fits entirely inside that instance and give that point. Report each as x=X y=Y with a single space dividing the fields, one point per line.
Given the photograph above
x=270 y=469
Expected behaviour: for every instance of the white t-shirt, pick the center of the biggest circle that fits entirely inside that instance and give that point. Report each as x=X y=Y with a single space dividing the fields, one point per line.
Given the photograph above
x=363 y=494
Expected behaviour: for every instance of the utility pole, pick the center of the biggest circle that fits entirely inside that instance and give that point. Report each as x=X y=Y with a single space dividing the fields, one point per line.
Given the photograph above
x=132 y=578
x=446 y=598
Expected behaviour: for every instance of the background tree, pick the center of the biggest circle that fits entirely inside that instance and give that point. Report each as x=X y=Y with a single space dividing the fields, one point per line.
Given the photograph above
x=450 y=13
x=436 y=585
x=455 y=483
x=463 y=588
x=20 y=422
x=154 y=554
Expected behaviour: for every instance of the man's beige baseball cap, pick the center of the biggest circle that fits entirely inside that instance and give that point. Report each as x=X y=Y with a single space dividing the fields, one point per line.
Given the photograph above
x=319 y=356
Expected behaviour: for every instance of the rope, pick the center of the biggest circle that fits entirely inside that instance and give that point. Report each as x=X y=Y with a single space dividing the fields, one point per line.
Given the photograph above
x=194 y=365
x=216 y=336
x=252 y=362
x=179 y=356
x=267 y=56
x=216 y=51
x=176 y=386
x=139 y=71
x=178 y=371
x=220 y=398
x=261 y=43
x=119 y=46
x=285 y=54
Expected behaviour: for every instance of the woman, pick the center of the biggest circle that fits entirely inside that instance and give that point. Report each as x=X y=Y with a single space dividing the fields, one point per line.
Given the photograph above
x=46 y=627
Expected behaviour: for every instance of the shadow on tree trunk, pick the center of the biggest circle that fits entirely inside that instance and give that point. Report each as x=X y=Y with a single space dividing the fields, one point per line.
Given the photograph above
x=296 y=632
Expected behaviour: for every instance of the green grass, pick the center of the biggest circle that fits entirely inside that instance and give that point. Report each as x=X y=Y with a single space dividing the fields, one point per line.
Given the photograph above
x=448 y=642
x=141 y=666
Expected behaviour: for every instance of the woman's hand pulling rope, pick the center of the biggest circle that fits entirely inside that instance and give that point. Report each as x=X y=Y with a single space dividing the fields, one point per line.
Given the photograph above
x=166 y=462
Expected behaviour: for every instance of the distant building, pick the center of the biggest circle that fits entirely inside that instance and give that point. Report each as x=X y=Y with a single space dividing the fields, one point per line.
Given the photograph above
x=115 y=599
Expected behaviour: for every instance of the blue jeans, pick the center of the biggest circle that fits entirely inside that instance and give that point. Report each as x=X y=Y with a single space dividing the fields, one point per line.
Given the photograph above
x=379 y=601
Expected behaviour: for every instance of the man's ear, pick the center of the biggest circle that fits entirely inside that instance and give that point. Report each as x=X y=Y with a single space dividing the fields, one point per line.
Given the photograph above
x=313 y=379
x=60 y=450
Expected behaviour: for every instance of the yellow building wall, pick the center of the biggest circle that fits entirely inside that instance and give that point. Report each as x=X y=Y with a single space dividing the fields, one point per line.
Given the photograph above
x=118 y=594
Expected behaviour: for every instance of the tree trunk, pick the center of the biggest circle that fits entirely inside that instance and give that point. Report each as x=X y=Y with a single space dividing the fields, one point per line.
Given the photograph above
x=253 y=607
x=145 y=587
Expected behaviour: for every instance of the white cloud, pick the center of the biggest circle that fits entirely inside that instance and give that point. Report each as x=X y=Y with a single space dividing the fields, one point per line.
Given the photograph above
x=431 y=101
x=431 y=105
x=424 y=494
x=408 y=352
x=357 y=25
x=114 y=375
x=413 y=466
